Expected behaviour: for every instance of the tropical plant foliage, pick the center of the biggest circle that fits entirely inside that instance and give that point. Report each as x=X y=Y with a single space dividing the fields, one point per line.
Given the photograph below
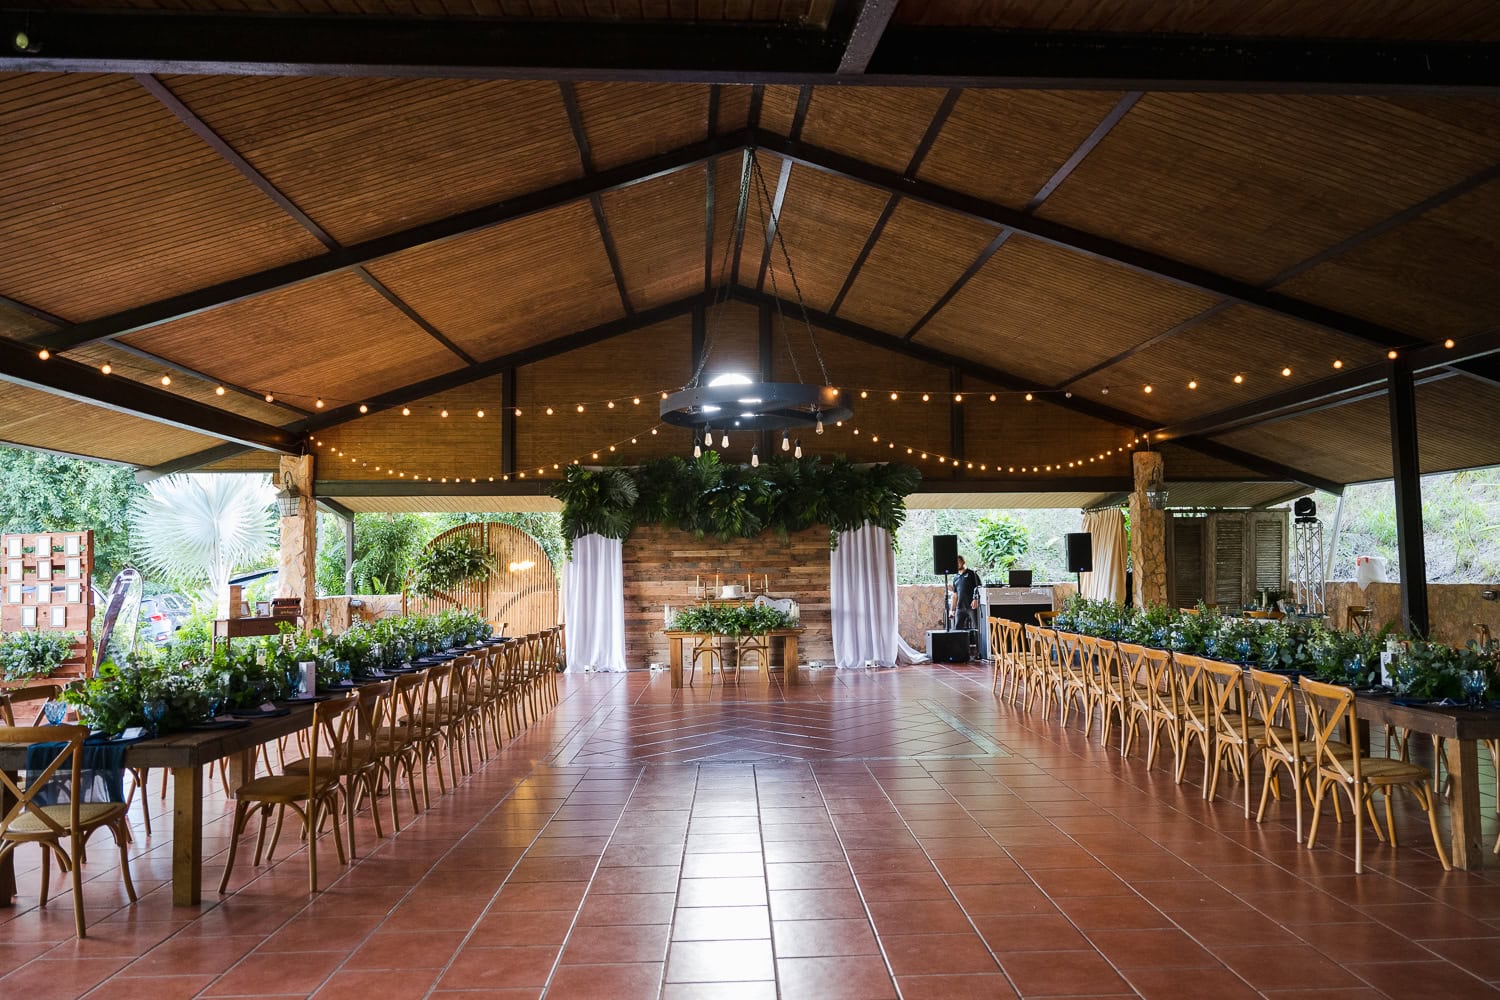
x=708 y=497
x=732 y=619
x=385 y=547
x=1001 y=541
x=197 y=530
x=446 y=565
x=33 y=653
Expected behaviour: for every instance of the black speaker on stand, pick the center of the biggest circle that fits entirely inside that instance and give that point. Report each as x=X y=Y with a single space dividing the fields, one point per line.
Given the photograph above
x=1080 y=555
x=945 y=645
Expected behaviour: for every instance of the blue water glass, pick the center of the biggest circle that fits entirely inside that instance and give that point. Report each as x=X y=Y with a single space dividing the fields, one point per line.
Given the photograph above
x=154 y=710
x=1243 y=649
x=343 y=669
x=1159 y=638
x=1354 y=669
x=1475 y=682
x=422 y=648
x=1210 y=644
x=1179 y=640
x=55 y=712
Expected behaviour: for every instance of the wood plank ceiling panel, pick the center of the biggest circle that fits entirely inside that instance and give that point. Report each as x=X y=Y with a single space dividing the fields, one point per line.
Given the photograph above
x=878 y=125
x=631 y=121
x=852 y=365
x=123 y=364
x=513 y=285
x=1445 y=20
x=734 y=108
x=364 y=157
x=1237 y=341
x=1433 y=277
x=1005 y=145
x=1250 y=185
x=1181 y=462
x=18 y=325
x=726 y=201
x=825 y=222
x=1352 y=443
x=778 y=108
x=658 y=231
x=1011 y=432
x=110 y=202
x=918 y=256
x=1031 y=297
x=42 y=420
x=622 y=367
x=334 y=337
x=731 y=341
x=624 y=10
x=424 y=443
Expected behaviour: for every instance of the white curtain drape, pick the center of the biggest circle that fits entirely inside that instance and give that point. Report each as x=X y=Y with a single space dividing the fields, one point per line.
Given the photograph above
x=1107 y=581
x=594 y=604
x=862 y=593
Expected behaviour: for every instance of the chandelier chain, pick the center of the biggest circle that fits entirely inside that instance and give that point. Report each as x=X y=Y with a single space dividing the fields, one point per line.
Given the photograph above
x=721 y=294
x=791 y=273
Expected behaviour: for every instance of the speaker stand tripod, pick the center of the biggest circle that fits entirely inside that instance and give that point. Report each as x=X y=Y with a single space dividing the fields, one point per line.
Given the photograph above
x=947 y=612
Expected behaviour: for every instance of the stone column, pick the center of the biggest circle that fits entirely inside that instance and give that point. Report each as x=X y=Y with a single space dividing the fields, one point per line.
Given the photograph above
x=1148 y=533
x=298 y=562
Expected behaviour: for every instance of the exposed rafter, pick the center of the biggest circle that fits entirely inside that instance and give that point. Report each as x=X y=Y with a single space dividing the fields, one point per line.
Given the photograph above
x=871 y=18
x=189 y=463
x=428 y=234
x=586 y=157
x=705 y=51
x=71 y=380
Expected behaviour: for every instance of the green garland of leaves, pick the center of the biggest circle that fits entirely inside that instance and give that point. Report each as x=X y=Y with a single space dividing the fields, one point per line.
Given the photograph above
x=447 y=565
x=732 y=619
x=706 y=496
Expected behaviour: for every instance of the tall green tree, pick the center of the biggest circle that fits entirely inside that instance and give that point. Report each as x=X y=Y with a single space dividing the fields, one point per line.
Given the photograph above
x=195 y=531
x=384 y=547
x=49 y=493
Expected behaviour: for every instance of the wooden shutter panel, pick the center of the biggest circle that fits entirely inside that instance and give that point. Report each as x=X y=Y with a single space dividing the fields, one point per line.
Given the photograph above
x=1270 y=551
x=1229 y=560
x=1187 y=561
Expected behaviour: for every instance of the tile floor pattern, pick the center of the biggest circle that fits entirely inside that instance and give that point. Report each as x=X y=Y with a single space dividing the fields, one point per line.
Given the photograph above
x=1055 y=870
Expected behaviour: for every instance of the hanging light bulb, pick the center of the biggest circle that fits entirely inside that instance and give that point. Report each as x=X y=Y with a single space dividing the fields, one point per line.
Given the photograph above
x=724 y=443
x=708 y=436
x=755 y=457
x=797 y=449
x=786 y=442
x=697 y=450
x=820 y=424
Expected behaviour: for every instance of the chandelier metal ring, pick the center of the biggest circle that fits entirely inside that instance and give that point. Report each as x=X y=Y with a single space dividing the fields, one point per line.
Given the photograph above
x=756 y=406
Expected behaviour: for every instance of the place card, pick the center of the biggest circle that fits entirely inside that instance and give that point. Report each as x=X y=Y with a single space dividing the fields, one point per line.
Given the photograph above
x=13 y=594
x=72 y=545
x=75 y=593
x=74 y=568
x=267 y=706
x=15 y=571
x=44 y=590
x=13 y=546
x=133 y=733
x=59 y=616
x=28 y=616
x=44 y=545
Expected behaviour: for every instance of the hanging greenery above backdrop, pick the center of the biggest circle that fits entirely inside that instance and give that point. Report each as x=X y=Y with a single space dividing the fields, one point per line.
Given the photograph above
x=708 y=497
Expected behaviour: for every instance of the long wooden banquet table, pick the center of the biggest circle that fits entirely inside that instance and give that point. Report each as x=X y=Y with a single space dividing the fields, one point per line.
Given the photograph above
x=789 y=651
x=185 y=754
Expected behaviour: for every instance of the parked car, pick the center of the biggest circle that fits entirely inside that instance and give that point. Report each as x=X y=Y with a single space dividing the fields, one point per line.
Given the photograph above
x=162 y=615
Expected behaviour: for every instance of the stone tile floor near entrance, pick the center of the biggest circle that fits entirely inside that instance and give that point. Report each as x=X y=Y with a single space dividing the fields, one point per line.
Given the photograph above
x=866 y=835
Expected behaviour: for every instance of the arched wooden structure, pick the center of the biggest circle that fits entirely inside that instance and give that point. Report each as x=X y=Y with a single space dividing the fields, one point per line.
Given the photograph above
x=519 y=591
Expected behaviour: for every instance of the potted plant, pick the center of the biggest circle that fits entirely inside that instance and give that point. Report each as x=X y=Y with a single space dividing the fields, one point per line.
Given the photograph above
x=33 y=653
x=447 y=565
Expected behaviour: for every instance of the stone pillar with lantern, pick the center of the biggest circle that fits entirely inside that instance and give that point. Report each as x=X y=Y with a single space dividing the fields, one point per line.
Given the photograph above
x=298 y=562
x=1148 y=529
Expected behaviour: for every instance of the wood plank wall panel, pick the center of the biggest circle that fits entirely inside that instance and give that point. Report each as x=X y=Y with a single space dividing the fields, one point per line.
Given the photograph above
x=921 y=252
x=631 y=121
x=626 y=10
x=660 y=564
x=460 y=445
x=853 y=366
x=1031 y=298
x=637 y=363
x=364 y=157
x=1012 y=432
x=511 y=286
x=878 y=125
x=1433 y=277
x=1005 y=145
x=732 y=340
x=110 y=202
x=1239 y=340
x=1447 y=20
x=1250 y=185
x=126 y=365
x=333 y=337
x=42 y=420
x=825 y=223
x=658 y=228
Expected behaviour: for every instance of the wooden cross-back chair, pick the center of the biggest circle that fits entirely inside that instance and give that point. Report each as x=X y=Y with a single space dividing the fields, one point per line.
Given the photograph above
x=29 y=821
x=1155 y=701
x=1358 y=776
x=1197 y=716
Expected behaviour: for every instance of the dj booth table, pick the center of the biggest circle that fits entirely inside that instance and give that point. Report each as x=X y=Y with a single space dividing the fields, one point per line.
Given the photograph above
x=1017 y=604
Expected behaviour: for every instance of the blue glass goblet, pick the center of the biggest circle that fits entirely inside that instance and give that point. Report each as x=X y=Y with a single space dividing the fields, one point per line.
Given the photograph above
x=1476 y=683
x=55 y=712
x=154 y=710
x=1243 y=649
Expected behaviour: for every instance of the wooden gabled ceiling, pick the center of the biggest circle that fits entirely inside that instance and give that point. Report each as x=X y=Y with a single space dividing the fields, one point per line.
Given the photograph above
x=384 y=241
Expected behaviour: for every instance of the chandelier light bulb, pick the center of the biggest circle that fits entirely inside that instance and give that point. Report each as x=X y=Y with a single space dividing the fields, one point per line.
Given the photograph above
x=1338 y=364
x=443 y=414
x=406 y=411
x=319 y=403
x=1028 y=397
x=611 y=404
x=1286 y=372
x=218 y=390
x=166 y=380
x=1239 y=380
x=44 y=354
x=580 y=407
x=636 y=401
x=365 y=409
x=478 y=413
x=1448 y=343
x=894 y=397
x=1192 y=383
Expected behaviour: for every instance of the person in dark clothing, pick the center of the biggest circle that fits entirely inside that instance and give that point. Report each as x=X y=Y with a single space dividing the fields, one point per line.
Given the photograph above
x=966 y=597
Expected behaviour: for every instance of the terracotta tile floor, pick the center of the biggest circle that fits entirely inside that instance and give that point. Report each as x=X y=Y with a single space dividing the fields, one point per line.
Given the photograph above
x=867 y=835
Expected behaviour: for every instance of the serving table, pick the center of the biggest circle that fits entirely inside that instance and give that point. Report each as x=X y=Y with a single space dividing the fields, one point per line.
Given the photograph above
x=789 y=655
x=185 y=754
x=1462 y=728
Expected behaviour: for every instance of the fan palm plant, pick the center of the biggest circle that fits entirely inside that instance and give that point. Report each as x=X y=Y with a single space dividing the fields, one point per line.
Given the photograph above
x=197 y=530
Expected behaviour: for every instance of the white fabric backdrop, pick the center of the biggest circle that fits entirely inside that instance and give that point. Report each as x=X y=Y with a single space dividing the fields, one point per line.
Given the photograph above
x=862 y=594
x=594 y=604
x=1107 y=581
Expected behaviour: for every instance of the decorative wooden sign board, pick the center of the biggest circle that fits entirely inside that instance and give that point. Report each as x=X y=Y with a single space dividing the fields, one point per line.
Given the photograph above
x=45 y=586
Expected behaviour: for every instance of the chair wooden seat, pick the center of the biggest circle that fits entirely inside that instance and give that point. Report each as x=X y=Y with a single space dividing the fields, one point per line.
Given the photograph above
x=31 y=825
x=292 y=787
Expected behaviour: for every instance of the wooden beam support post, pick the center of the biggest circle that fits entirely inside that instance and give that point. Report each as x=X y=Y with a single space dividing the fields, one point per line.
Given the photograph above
x=298 y=562
x=1406 y=472
x=1148 y=532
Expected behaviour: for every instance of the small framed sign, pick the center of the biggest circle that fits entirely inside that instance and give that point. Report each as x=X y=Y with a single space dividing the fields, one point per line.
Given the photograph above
x=75 y=568
x=15 y=570
x=13 y=546
x=75 y=593
x=71 y=545
x=28 y=616
x=44 y=590
x=44 y=570
x=13 y=593
x=43 y=546
x=59 y=616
